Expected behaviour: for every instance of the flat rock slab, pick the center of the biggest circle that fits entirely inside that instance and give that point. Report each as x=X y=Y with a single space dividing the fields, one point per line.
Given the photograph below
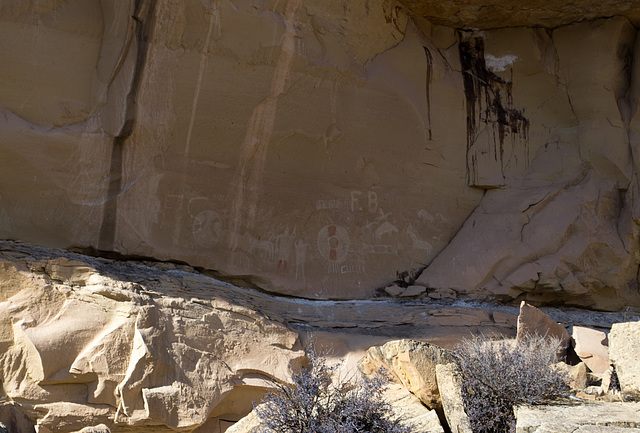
x=451 y=394
x=624 y=350
x=570 y=418
x=592 y=347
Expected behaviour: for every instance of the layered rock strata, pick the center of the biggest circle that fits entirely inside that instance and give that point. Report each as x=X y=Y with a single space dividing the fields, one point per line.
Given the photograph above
x=147 y=347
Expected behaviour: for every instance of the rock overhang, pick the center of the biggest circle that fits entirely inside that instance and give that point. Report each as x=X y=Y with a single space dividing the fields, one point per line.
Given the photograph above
x=481 y=14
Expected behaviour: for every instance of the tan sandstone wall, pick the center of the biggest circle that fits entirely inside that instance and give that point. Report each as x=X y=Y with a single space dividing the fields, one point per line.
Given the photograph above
x=320 y=147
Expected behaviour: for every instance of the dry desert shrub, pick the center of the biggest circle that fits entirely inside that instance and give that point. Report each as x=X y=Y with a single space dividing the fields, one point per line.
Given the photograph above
x=496 y=376
x=315 y=403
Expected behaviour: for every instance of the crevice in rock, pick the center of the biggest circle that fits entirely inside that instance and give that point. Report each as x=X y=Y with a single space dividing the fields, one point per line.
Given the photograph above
x=144 y=17
x=428 y=89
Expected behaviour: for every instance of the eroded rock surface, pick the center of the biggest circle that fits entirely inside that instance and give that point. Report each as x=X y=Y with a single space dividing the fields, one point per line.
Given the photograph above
x=144 y=347
x=410 y=363
x=82 y=347
x=480 y=14
x=321 y=147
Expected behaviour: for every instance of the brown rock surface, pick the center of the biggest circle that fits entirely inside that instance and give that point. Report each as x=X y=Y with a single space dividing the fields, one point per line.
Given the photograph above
x=592 y=347
x=334 y=145
x=484 y=14
x=532 y=321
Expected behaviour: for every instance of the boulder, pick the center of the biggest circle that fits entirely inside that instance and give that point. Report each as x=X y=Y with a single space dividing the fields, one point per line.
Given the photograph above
x=129 y=344
x=532 y=321
x=414 y=415
x=592 y=417
x=249 y=424
x=624 y=350
x=451 y=395
x=576 y=375
x=411 y=363
x=592 y=347
x=413 y=291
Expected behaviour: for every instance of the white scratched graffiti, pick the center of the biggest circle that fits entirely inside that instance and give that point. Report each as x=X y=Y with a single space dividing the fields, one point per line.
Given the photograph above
x=360 y=203
x=355 y=269
x=332 y=204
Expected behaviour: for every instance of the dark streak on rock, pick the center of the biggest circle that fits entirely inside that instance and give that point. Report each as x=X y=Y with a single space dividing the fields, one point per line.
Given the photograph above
x=489 y=101
x=428 y=88
x=144 y=16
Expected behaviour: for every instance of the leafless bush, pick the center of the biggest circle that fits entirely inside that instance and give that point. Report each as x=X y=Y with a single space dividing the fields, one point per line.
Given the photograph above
x=498 y=375
x=314 y=403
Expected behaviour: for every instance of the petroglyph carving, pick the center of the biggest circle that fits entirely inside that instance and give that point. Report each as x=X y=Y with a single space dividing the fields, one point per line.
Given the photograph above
x=265 y=246
x=419 y=244
x=386 y=228
x=333 y=243
x=207 y=228
x=285 y=242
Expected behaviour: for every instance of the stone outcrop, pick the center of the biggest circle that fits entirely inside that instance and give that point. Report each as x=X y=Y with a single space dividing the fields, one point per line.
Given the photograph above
x=408 y=407
x=86 y=340
x=82 y=346
x=143 y=345
x=480 y=14
x=576 y=375
x=452 y=402
x=582 y=418
x=318 y=148
x=410 y=363
x=532 y=322
x=592 y=347
x=624 y=340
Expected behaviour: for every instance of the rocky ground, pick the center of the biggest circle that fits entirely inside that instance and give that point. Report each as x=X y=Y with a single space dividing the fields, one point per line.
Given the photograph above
x=138 y=344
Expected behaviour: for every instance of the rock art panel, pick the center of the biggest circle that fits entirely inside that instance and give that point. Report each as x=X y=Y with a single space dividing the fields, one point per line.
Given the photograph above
x=301 y=186
x=320 y=148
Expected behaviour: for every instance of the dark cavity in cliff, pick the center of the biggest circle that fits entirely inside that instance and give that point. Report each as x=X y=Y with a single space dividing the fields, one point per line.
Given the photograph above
x=491 y=119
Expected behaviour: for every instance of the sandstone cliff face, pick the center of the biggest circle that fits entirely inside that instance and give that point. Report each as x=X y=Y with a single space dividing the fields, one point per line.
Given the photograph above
x=319 y=147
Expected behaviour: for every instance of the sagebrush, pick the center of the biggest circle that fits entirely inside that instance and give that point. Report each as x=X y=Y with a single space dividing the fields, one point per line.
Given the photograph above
x=316 y=403
x=496 y=376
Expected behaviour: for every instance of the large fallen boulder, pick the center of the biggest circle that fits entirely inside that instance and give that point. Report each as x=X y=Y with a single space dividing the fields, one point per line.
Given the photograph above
x=624 y=349
x=411 y=363
x=592 y=348
x=532 y=321
x=452 y=401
